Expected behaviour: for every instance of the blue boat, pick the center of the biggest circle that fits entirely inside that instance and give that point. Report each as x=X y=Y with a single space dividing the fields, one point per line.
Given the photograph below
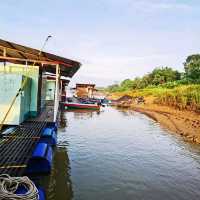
x=41 y=160
x=49 y=136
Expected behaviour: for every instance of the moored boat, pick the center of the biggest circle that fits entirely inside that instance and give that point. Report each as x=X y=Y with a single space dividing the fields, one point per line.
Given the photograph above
x=72 y=105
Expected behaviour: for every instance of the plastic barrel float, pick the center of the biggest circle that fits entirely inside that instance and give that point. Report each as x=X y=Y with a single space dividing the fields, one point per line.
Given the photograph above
x=53 y=125
x=41 y=160
x=49 y=136
x=23 y=191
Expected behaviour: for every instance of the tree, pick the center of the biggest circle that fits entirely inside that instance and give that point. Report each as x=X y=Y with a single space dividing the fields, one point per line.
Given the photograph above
x=127 y=84
x=164 y=75
x=113 y=88
x=192 y=67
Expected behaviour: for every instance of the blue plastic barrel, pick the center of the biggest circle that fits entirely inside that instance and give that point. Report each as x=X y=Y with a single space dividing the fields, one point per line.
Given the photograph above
x=41 y=160
x=53 y=125
x=23 y=190
x=49 y=136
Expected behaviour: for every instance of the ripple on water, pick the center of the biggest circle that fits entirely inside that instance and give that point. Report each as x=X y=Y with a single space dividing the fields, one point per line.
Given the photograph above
x=123 y=155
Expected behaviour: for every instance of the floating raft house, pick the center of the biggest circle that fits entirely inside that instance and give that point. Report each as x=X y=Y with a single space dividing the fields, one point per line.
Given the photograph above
x=37 y=81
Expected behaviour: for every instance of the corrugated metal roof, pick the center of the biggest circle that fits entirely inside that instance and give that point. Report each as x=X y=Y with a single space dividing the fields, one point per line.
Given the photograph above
x=16 y=53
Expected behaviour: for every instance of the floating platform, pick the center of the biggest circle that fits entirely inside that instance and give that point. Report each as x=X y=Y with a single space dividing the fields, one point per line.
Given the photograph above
x=16 y=148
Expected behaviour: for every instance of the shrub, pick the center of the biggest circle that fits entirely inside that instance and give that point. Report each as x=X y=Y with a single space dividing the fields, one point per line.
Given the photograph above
x=182 y=97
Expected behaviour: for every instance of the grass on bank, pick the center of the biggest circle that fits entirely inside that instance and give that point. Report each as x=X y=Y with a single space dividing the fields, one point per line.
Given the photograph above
x=181 y=97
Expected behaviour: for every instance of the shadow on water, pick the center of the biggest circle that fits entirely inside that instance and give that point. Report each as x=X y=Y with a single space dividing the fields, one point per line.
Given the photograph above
x=58 y=184
x=63 y=121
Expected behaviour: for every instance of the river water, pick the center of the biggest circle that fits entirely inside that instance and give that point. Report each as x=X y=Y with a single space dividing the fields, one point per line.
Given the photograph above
x=121 y=155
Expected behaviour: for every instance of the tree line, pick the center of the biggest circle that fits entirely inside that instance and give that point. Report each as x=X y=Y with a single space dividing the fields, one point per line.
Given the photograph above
x=163 y=77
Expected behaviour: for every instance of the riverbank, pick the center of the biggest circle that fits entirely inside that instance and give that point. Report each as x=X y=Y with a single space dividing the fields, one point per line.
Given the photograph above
x=183 y=122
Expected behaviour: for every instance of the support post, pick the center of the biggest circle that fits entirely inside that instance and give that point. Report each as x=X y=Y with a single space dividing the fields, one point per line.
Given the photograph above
x=4 y=55
x=61 y=89
x=4 y=52
x=56 y=99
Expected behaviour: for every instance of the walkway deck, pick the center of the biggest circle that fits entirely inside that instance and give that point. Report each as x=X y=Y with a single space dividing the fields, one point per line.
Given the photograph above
x=17 y=148
x=47 y=115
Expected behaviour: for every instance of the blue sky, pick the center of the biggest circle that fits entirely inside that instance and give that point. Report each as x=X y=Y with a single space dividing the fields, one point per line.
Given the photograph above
x=113 y=39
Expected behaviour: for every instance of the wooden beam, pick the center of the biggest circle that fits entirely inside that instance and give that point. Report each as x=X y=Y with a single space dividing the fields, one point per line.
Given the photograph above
x=3 y=58
x=19 y=51
x=4 y=52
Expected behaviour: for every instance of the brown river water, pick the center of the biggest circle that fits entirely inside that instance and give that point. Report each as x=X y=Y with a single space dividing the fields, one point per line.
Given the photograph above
x=121 y=155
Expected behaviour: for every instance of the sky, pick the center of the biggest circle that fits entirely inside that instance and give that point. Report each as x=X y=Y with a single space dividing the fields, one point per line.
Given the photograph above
x=113 y=39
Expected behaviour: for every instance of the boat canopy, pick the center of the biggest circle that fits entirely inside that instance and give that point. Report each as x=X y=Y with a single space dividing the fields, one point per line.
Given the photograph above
x=18 y=54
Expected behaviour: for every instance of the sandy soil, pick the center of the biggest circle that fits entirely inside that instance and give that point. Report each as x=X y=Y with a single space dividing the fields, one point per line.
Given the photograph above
x=185 y=123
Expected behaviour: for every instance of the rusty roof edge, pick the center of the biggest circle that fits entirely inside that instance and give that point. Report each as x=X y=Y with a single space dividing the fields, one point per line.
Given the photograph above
x=24 y=54
x=35 y=52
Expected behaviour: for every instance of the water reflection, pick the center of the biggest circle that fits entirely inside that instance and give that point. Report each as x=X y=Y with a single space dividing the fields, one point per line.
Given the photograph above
x=120 y=154
x=58 y=185
x=62 y=121
x=84 y=114
x=126 y=112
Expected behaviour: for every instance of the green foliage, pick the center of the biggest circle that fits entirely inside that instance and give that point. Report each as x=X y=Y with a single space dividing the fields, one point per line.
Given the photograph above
x=182 y=97
x=164 y=75
x=126 y=84
x=173 y=84
x=157 y=77
x=113 y=88
x=192 y=68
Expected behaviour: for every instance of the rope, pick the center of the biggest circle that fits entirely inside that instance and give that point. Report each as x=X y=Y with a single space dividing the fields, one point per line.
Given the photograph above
x=9 y=186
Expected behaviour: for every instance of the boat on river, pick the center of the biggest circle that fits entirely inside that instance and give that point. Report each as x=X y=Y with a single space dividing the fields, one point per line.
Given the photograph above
x=75 y=105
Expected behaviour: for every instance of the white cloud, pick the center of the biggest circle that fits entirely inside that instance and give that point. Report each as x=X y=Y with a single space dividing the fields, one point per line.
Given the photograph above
x=150 y=5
